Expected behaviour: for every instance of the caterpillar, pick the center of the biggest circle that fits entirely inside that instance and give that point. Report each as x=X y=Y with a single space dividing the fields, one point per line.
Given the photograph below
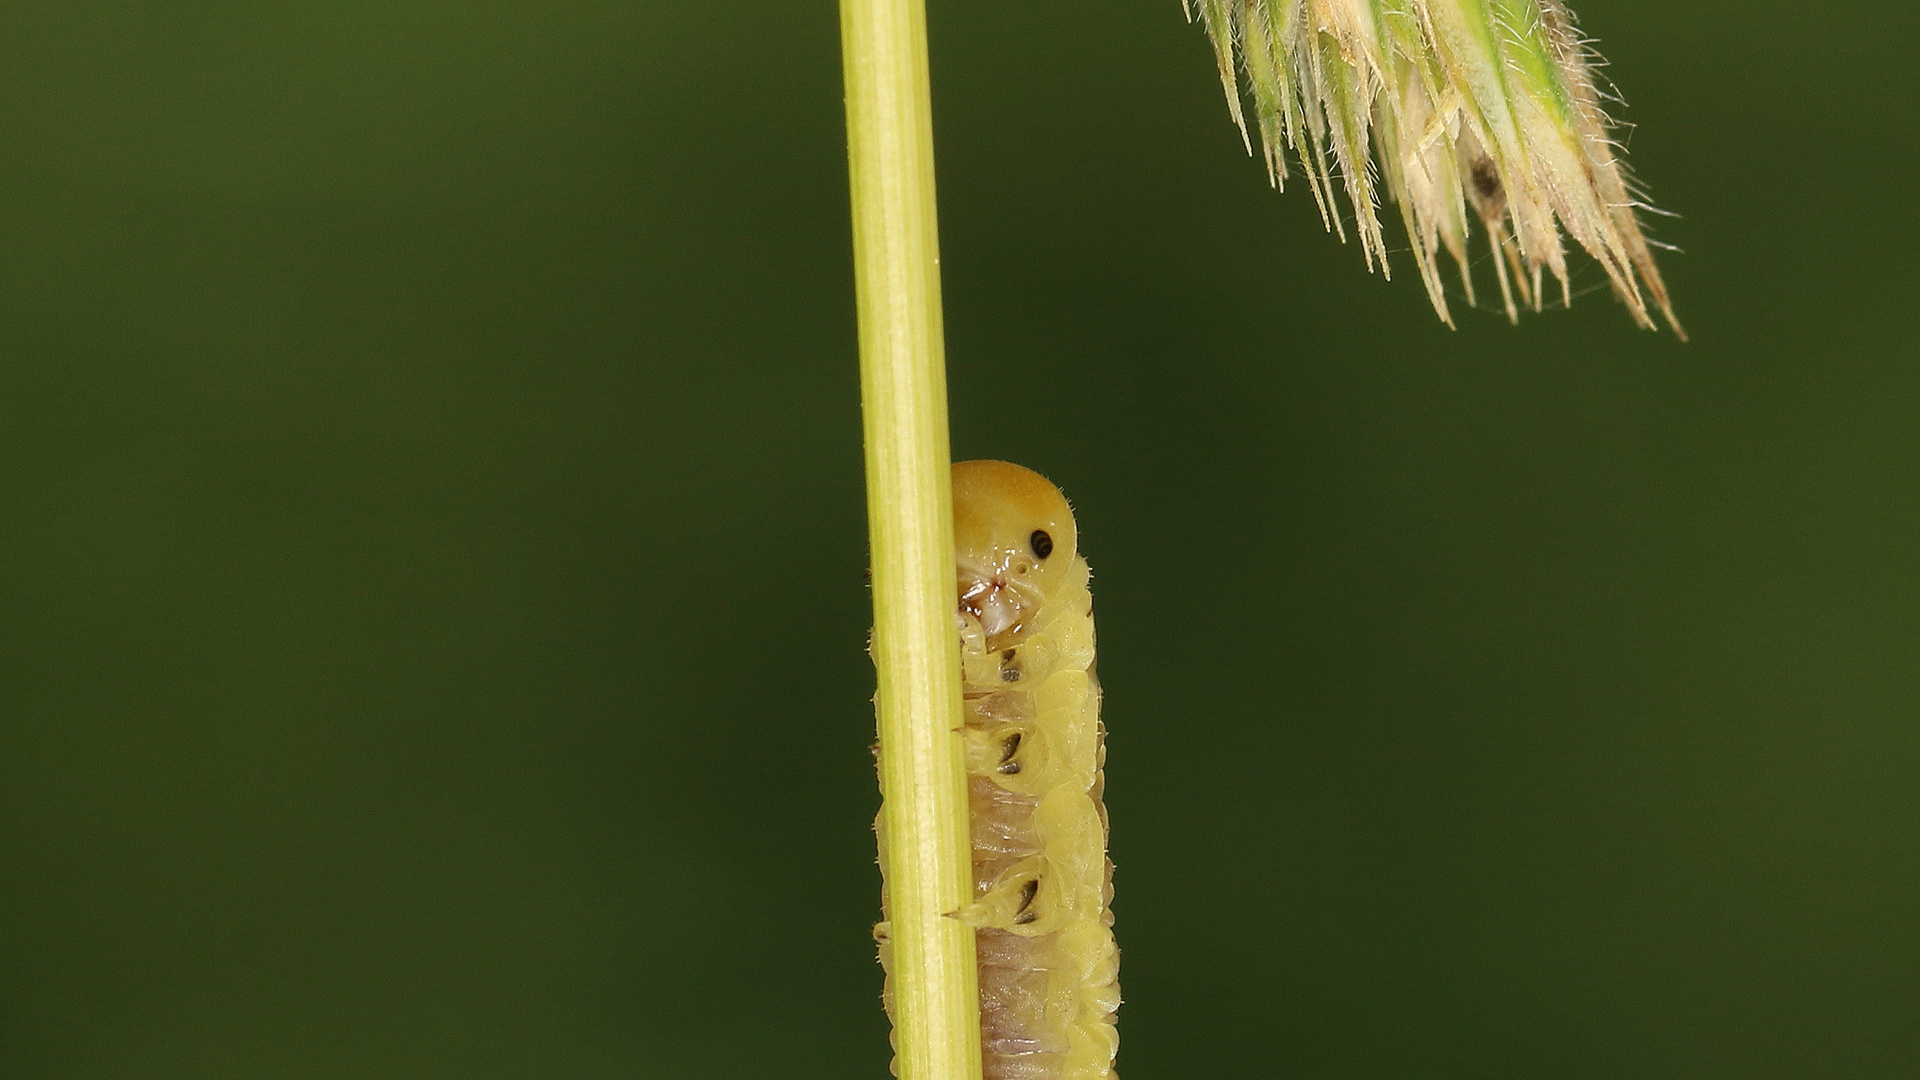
x=1035 y=747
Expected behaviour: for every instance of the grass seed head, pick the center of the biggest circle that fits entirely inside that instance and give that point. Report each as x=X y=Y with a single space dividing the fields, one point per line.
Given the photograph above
x=1454 y=110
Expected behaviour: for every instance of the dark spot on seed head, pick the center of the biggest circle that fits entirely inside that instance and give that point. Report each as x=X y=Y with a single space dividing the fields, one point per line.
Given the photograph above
x=1010 y=746
x=1487 y=189
x=1041 y=543
x=1486 y=179
x=1011 y=768
x=1027 y=893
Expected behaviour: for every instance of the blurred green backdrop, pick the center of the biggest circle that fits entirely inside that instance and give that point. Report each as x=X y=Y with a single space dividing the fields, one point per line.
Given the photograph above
x=432 y=532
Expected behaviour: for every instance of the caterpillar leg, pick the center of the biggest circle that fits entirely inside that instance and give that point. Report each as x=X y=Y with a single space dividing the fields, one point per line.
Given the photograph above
x=1013 y=902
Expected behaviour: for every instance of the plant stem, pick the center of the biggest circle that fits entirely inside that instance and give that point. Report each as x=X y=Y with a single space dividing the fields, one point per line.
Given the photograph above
x=910 y=521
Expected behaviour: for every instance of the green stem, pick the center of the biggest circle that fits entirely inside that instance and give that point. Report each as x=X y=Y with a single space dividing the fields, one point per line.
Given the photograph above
x=910 y=521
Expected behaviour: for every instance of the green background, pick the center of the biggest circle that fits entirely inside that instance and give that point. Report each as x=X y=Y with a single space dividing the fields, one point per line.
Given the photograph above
x=432 y=612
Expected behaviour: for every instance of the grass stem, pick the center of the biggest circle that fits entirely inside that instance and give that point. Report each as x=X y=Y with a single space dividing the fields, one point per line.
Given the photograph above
x=909 y=517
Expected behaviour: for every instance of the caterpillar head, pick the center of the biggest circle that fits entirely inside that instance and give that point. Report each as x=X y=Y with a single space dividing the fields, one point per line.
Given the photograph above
x=1014 y=541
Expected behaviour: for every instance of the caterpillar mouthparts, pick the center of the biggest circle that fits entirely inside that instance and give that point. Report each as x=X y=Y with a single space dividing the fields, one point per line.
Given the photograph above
x=1043 y=885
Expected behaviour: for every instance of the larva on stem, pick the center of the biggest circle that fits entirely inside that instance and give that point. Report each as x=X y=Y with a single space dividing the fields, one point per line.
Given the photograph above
x=1034 y=751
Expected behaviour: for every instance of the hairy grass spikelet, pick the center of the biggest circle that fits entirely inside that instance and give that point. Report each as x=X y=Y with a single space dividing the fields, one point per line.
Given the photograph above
x=1487 y=107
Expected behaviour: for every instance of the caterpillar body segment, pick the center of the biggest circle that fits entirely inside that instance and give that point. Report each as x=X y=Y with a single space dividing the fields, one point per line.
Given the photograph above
x=1034 y=749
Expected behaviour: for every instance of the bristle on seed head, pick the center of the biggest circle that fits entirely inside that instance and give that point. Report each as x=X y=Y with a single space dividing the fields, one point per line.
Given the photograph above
x=1486 y=108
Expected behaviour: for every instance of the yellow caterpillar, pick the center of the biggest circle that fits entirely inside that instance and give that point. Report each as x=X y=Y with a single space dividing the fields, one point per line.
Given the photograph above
x=1042 y=880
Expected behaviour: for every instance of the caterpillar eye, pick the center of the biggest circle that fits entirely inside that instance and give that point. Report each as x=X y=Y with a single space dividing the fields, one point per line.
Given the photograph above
x=1041 y=543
